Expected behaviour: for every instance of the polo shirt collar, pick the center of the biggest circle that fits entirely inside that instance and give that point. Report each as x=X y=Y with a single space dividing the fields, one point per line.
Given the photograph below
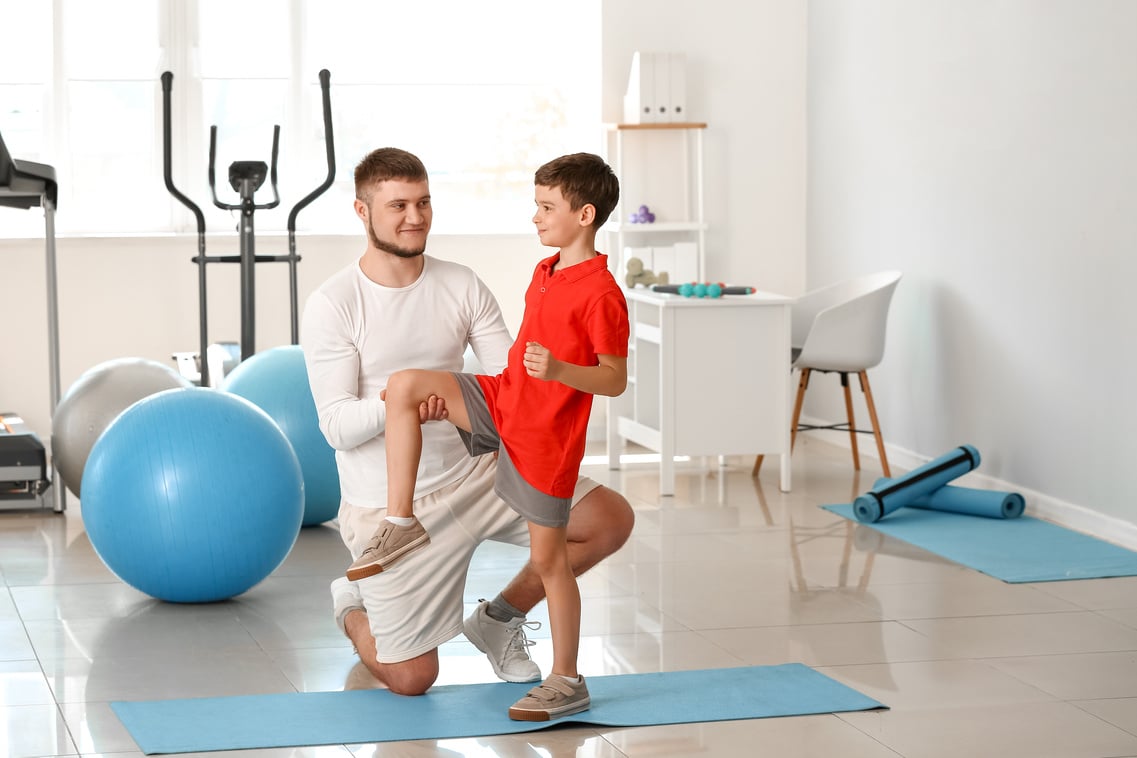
x=573 y=273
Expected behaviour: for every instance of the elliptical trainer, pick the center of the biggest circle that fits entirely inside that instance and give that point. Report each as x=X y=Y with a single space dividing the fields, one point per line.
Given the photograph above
x=245 y=177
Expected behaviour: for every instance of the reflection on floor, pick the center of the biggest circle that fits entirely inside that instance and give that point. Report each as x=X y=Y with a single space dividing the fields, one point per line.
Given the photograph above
x=730 y=571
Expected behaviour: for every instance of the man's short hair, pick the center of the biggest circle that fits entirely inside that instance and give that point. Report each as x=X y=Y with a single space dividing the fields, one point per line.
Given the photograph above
x=583 y=179
x=383 y=164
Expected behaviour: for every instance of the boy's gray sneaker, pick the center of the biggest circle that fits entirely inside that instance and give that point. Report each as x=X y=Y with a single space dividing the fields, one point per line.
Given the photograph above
x=551 y=699
x=504 y=643
x=390 y=544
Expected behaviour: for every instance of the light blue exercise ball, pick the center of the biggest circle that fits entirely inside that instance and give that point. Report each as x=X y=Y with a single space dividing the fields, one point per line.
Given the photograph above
x=192 y=496
x=276 y=381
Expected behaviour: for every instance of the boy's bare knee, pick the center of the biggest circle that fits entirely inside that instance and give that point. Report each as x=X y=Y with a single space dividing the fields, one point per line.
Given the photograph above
x=547 y=565
x=400 y=386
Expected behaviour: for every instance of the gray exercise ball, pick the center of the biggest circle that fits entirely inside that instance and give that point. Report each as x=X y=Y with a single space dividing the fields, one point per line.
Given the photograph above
x=96 y=399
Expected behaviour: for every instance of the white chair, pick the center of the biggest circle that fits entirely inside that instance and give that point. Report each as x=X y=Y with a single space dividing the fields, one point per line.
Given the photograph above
x=840 y=329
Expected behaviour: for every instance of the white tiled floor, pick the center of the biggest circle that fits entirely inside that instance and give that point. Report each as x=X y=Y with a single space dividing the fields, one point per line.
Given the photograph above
x=728 y=572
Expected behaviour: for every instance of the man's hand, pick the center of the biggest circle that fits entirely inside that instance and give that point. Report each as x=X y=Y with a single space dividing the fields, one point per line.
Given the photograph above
x=539 y=362
x=431 y=409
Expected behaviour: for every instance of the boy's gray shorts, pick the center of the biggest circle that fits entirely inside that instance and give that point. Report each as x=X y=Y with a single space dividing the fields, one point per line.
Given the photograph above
x=530 y=502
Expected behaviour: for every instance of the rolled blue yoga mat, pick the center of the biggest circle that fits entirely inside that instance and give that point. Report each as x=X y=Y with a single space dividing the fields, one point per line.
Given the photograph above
x=901 y=491
x=951 y=498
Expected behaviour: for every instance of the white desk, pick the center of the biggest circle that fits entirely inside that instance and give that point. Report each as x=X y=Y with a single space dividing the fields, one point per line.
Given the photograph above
x=705 y=377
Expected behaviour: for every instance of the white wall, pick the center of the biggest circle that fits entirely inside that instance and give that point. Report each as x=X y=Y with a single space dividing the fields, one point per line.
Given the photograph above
x=746 y=80
x=988 y=151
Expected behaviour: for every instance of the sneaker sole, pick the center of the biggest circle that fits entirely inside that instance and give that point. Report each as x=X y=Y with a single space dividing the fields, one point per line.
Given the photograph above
x=521 y=714
x=371 y=569
x=471 y=634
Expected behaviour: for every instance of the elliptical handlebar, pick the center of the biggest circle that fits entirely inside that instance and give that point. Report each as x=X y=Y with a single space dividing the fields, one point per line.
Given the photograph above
x=167 y=160
x=246 y=177
x=329 y=146
x=272 y=168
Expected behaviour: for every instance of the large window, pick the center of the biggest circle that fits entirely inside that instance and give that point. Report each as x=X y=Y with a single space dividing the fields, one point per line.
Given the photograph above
x=482 y=92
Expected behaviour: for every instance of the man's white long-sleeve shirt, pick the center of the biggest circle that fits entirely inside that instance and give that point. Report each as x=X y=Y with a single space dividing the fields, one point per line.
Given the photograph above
x=356 y=333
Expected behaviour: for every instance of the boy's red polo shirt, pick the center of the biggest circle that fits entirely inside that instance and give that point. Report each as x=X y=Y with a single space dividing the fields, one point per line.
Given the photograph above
x=578 y=313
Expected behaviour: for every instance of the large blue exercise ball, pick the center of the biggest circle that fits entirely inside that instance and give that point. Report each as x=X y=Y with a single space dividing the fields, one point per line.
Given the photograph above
x=192 y=496
x=94 y=401
x=276 y=381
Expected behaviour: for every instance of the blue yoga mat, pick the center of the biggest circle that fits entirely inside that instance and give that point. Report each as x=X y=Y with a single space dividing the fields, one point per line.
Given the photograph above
x=1015 y=550
x=881 y=501
x=972 y=502
x=474 y=710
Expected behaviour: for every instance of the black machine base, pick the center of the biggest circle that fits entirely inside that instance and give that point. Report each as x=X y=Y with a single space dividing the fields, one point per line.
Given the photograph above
x=24 y=472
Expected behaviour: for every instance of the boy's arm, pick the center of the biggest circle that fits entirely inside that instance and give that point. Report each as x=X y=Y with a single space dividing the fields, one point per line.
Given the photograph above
x=609 y=378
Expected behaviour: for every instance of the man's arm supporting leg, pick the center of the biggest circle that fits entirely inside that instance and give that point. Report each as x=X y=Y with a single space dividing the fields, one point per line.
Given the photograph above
x=598 y=526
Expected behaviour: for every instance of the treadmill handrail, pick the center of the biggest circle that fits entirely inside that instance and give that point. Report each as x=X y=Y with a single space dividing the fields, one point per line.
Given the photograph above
x=25 y=184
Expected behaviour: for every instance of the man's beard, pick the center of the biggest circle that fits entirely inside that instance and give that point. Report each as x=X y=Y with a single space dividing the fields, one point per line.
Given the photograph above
x=387 y=247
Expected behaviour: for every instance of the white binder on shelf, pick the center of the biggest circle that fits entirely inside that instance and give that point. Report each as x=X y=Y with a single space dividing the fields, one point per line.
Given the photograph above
x=686 y=265
x=639 y=98
x=677 y=87
x=661 y=78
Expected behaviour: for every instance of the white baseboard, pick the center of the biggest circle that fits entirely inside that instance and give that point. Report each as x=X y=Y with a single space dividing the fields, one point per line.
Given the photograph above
x=1038 y=504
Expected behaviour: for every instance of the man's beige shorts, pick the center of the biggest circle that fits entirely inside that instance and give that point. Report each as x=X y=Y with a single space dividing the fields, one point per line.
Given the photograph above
x=416 y=605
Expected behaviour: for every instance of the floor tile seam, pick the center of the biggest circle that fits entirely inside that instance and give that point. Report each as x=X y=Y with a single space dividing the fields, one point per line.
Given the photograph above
x=1077 y=703
x=842 y=718
x=798 y=625
x=1104 y=613
x=1071 y=612
x=1004 y=614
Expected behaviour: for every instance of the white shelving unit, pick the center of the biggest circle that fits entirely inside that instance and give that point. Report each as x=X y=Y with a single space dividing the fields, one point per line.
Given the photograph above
x=706 y=377
x=688 y=156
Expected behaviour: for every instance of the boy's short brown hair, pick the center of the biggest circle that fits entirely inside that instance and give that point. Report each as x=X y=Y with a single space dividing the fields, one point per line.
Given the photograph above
x=383 y=164
x=583 y=179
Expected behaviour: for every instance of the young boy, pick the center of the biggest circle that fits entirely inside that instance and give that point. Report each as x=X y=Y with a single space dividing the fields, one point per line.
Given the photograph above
x=573 y=344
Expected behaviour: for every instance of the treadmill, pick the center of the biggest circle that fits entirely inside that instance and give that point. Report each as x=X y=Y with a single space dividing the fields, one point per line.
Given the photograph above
x=25 y=474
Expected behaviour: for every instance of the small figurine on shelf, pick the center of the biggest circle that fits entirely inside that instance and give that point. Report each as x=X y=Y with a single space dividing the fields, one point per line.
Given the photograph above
x=642 y=216
x=637 y=274
x=701 y=289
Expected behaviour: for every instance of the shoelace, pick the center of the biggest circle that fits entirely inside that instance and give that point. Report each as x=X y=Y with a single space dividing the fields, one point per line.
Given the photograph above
x=519 y=642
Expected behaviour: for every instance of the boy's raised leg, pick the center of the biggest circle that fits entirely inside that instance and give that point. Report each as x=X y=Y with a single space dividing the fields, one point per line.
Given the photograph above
x=404 y=394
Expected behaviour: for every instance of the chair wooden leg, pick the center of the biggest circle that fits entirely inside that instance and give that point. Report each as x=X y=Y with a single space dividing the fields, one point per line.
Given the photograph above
x=852 y=422
x=803 y=382
x=864 y=375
